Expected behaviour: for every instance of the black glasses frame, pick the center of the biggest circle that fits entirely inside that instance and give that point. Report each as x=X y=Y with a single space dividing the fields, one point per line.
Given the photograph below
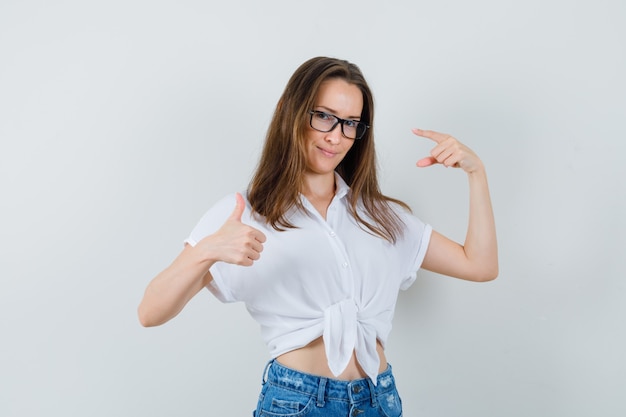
x=339 y=120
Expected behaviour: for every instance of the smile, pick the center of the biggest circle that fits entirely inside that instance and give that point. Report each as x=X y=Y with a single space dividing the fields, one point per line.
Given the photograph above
x=326 y=152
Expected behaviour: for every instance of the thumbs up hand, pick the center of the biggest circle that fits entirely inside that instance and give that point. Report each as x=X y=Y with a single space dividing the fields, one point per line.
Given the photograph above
x=236 y=242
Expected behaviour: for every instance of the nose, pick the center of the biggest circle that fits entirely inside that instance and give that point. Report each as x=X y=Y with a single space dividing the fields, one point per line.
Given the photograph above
x=334 y=136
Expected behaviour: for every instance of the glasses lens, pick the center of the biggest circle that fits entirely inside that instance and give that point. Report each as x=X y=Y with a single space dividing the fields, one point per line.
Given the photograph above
x=353 y=129
x=361 y=128
x=349 y=129
x=323 y=122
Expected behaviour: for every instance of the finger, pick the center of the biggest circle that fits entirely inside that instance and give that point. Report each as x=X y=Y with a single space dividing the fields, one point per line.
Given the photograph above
x=443 y=155
x=239 y=208
x=260 y=237
x=257 y=247
x=426 y=162
x=431 y=134
x=246 y=261
x=451 y=162
x=254 y=255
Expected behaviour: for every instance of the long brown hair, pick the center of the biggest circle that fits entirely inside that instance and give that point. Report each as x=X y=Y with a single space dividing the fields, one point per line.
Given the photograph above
x=276 y=185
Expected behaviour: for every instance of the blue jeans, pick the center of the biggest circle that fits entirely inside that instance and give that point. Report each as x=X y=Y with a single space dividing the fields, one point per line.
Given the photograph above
x=287 y=392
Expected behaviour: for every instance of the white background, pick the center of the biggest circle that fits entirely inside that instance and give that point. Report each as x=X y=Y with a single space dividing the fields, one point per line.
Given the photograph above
x=121 y=122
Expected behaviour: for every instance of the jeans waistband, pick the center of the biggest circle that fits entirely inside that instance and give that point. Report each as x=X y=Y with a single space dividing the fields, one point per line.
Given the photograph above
x=328 y=388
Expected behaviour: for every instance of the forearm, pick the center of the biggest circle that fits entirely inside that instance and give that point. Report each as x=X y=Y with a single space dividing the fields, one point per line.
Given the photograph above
x=171 y=290
x=480 y=245
x=234 y=243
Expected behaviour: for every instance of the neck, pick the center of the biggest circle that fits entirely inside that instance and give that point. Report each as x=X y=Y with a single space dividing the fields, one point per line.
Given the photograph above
x=319 y=186
x=319 y=190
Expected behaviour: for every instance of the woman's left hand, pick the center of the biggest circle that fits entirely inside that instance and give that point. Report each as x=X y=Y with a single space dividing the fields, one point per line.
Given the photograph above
x=449 y=152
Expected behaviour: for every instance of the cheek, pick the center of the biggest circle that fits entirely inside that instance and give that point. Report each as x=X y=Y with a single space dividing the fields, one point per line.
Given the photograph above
x=309 y=142
x=349 y=145
x=311 y=136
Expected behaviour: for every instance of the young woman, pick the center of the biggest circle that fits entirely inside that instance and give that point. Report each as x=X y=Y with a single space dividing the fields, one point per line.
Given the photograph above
x=318 y=254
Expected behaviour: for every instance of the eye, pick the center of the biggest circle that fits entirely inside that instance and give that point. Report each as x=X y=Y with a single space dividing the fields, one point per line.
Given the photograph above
x=351 y=123
x=322 y=116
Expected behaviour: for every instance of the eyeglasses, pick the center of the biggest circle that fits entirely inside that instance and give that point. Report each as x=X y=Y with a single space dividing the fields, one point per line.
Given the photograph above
x=325 y=122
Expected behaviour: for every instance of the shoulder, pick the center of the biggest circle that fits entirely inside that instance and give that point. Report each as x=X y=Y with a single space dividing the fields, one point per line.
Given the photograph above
x=398 y=207
x=410 y=221
x=225 y=205
x=215 y=217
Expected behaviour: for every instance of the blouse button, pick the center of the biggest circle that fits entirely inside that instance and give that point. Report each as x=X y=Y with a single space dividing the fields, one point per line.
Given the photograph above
x=344 y=265
x=332 y=234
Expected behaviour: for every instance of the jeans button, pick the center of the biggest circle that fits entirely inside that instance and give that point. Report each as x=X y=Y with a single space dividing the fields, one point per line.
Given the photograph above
x=356 y=412
x=357 y=388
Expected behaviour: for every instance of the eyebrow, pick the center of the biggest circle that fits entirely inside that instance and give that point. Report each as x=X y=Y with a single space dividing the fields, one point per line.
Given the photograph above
x=329 y=110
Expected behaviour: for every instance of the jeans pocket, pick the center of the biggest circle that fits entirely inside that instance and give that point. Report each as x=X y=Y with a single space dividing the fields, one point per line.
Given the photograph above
x=285 y=406
x=285 y=403
x=390 y=404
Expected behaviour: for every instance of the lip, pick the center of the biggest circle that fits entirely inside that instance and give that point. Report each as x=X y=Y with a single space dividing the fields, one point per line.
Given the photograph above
x=326 y=152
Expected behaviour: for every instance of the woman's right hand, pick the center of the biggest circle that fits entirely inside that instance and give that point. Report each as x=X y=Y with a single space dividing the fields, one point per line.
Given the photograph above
x=235 y=242
x=169 y=291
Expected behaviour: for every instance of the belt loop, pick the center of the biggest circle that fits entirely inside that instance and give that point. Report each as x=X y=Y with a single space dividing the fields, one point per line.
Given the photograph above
x=321 y=388
x=372 y=392
x=267 y=367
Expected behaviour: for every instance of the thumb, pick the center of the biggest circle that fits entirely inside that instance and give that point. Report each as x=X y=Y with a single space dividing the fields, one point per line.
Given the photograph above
x=426 y=162
x=239 y=208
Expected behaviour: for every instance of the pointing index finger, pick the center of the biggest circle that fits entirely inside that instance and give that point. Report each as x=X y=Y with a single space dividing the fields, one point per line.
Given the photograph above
x=431 y=134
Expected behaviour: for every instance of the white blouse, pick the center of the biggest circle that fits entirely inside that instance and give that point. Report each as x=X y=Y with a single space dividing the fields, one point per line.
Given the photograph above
x=326 y=278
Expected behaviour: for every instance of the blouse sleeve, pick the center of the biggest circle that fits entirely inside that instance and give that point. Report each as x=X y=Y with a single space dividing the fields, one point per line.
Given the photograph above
x=210 y=223
x=415 y=244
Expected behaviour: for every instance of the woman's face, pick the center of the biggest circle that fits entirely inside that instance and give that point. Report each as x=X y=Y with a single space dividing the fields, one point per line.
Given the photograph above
x=325 y=150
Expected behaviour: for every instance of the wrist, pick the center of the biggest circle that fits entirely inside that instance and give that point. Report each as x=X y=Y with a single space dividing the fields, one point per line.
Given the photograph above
x=203 y=253
x=478 y=176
